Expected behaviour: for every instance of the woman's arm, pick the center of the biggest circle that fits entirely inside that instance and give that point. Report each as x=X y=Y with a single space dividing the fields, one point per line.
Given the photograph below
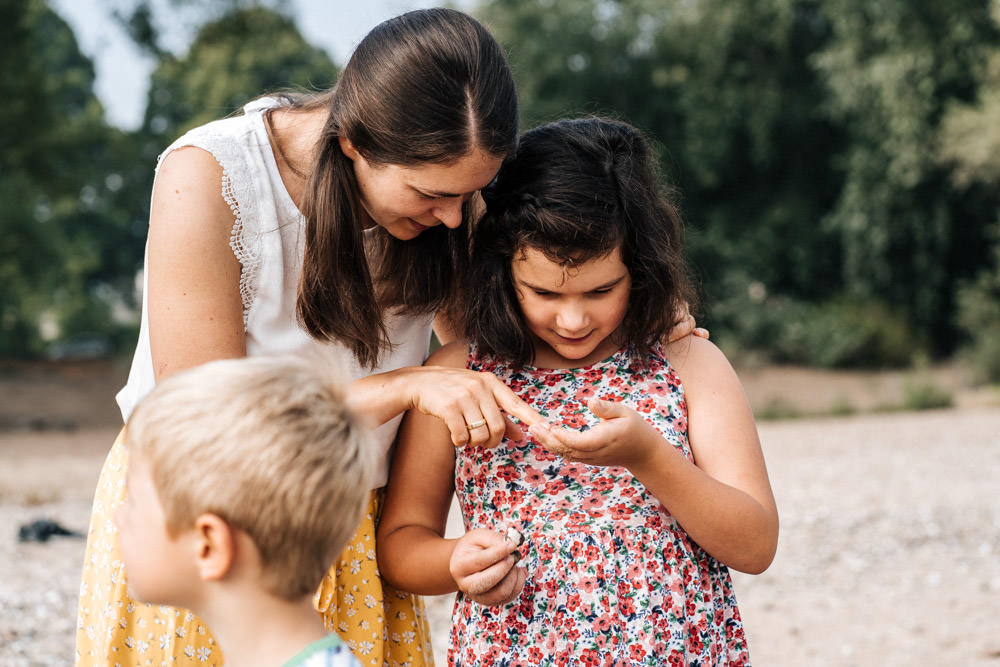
x=196 y=312
x=724 y=499
x=413 y=554
x=686 y=326
x=195 y=308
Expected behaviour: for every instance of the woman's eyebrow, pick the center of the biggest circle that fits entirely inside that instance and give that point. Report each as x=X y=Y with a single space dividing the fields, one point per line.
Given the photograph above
x=436 y=193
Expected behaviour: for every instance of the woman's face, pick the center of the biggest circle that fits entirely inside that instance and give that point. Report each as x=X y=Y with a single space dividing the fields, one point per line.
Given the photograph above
x=408 y=200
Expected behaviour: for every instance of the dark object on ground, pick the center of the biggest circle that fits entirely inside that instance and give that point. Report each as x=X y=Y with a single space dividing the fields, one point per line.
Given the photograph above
x=40 y=530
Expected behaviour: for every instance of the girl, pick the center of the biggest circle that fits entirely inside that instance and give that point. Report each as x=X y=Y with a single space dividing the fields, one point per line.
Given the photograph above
x=633 y=512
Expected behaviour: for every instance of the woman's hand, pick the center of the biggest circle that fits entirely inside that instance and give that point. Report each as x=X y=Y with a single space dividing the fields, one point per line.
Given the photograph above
x=483 y=566
x=622 y=438
x=471 y=405
x=686 y=326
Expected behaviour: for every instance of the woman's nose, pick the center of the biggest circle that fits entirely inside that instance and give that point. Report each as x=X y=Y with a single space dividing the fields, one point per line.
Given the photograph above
x=449 y=212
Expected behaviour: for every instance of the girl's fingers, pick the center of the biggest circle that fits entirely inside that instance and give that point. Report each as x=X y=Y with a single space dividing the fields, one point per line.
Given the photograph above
x=551 y=439
x=481 y=561
x=483 y=581
x=507 y=589
x=606 y=409
x=479 y=550
x=573 y=445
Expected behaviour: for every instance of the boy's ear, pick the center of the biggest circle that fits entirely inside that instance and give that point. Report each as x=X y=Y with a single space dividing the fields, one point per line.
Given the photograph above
x=215 y=542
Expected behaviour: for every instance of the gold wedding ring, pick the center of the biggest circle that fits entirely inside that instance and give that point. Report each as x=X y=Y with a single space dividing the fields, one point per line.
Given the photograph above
x=481 y=422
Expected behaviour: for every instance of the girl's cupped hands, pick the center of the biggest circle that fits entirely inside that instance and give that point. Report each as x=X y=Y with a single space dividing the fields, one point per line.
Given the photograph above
x=621 y=438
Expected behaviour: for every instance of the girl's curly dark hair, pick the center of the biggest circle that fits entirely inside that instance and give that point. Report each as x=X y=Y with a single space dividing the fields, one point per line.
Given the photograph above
x=576 y=190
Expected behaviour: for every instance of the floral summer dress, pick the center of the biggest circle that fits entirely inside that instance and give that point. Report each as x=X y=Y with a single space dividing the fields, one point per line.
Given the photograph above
x=612 y=578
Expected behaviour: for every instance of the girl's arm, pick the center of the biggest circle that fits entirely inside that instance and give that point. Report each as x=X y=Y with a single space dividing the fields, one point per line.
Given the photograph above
x=413 y=554
x=723 y=500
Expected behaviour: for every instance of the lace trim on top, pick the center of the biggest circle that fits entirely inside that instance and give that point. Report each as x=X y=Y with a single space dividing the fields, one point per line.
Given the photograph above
x=246 y=247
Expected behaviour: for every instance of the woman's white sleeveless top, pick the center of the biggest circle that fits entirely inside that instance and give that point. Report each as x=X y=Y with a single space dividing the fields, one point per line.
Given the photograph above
x=267 y=238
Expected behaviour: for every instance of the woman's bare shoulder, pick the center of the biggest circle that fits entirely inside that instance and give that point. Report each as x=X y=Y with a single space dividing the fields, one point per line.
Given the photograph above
x=188 y=163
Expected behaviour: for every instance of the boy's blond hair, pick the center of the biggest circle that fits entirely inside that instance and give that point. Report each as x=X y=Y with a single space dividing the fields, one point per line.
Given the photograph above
x=268 y=445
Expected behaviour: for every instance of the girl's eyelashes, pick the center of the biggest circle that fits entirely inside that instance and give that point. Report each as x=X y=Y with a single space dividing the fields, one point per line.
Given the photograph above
x=596 y=292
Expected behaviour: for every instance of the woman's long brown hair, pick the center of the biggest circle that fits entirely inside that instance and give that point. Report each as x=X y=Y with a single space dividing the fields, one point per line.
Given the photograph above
x=427 y=87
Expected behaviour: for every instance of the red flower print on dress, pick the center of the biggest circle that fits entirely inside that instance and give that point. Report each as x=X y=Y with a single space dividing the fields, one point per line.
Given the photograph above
x=554 y=486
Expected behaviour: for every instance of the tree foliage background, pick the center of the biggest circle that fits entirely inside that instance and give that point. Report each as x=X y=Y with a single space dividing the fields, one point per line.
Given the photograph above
x=837 y=159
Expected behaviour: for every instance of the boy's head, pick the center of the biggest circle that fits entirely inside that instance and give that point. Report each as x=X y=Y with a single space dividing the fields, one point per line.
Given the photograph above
x=265 y=446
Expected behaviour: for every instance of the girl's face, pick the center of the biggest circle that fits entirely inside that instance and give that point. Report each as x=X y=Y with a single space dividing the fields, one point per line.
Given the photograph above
x=408 y=200
x=573 y=312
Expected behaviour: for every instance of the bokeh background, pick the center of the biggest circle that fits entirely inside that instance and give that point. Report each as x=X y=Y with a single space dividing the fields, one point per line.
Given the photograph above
x=837 y=159
x=838 y=164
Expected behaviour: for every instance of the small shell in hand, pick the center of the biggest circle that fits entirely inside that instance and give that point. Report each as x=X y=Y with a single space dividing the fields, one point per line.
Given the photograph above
x=514 y=535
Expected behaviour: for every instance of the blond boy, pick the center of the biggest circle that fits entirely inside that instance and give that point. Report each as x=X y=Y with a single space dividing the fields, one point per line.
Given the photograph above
x=246 y=478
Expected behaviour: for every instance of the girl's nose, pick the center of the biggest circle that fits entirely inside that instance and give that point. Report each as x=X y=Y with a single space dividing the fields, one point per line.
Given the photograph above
x=572 y=318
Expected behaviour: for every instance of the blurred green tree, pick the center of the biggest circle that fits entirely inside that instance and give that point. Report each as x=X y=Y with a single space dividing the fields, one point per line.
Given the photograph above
x=241 y=54
x=75 y=192
x=891 y=70
x=64 y=244
x=969 y=147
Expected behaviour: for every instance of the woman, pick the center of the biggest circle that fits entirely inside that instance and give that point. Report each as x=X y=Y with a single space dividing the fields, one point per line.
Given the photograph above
x=332 y=220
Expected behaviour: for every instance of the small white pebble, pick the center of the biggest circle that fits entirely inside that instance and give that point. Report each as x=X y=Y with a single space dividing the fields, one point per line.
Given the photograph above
x=514 y=535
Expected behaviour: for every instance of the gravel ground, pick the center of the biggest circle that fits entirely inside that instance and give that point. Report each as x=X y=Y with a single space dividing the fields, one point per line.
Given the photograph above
x=889 y=551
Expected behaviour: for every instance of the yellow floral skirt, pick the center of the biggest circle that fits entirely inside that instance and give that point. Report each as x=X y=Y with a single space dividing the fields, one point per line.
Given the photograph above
x=382 y=626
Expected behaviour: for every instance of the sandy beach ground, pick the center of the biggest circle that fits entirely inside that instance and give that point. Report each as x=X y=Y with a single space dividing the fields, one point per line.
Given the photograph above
x=889 y=551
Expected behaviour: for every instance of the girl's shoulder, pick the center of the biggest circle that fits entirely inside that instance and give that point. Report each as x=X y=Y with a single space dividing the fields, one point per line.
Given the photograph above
x=699 y=363
x=454 y=355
